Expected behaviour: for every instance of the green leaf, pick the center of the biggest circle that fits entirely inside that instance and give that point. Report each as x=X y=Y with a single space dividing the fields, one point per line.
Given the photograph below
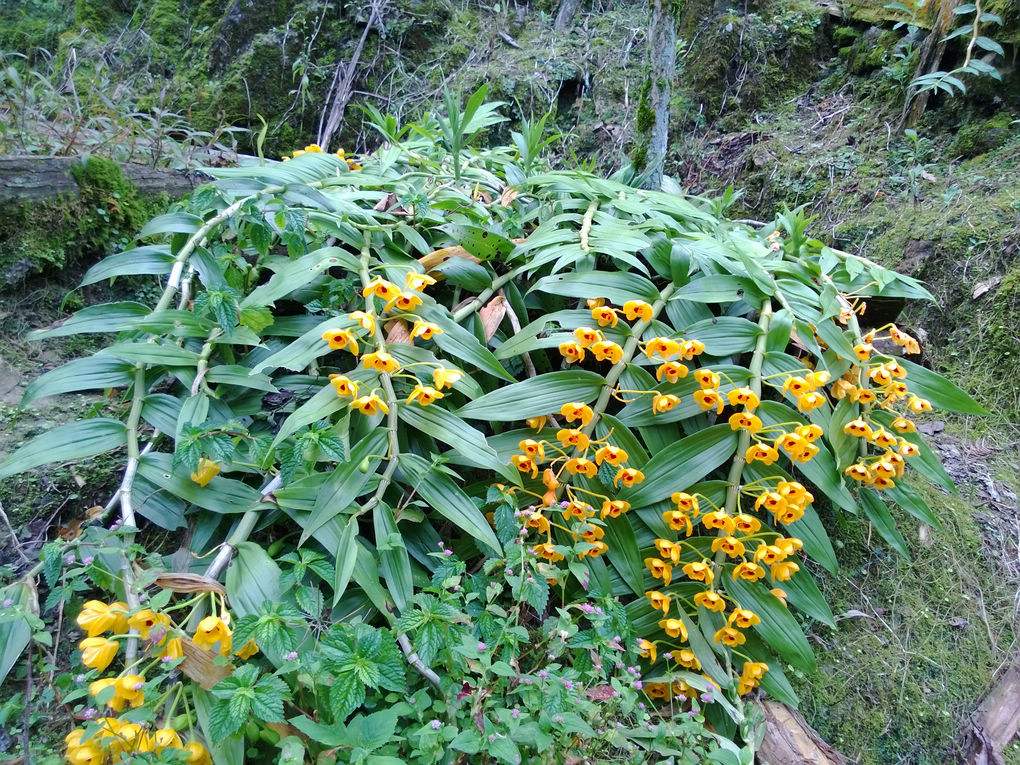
x=151 y=260
x=778 y=628
x=624 y=553
x=242 y=377
x=66 y=443
x=724 y=335
x=844 y=446
x=91 y=373
x=466 y=274
x=821 y=471
x=880 y=517
x=224 y=750
x=448 y=499
x=540 y=395
x=942 y=393
x=346 y=557
x=152 y=353
x=682 y=464
x=616 y=286
x=96 y=319
x=904 y=495
x=837 y=339
x=481 y=242
x=719 y=288
x=779 y=331
x=291 y=275
x=394 y=562
x=221 y=495
x=346 y=695
x=253 y=580
x=171 y=223
x=469 y=442
x=300 y=353
x=460 y=344
x=803 y=592
x=346 y=482
x=927 y=463
x=15 y=630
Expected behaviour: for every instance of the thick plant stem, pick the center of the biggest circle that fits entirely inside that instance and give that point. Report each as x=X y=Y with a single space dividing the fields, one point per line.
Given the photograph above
x=177 y=270
x=613 y=375
x=464 y=311
x=744 y=441
x=127 y=510
x=393 y=449
x=241 y=532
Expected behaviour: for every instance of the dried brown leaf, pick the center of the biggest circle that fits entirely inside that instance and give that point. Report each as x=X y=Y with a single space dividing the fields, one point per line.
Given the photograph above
x=492 y=314
x=199 y=665
x=178 y=582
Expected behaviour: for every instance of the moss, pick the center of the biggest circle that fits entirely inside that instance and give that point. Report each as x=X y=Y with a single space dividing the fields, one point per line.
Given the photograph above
x=746 y=61
x=869 y=51
x=977 y=138
x=94 y=15
x=40 y=236
x=918 y=642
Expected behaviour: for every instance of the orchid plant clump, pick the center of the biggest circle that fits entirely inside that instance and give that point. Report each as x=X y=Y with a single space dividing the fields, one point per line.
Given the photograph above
x=422 y=409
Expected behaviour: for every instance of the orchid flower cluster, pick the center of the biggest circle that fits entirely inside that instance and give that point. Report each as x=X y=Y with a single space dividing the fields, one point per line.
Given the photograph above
x=108 y=627
x=399 y=304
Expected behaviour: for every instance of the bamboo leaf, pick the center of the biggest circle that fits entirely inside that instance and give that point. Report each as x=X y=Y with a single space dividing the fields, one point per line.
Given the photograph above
x=92 y=373
x=778 y=628
x=346 y=558
x=942 y=393
x=448 y=499
x=616 y=286
x=394 y=563
x=153 y=259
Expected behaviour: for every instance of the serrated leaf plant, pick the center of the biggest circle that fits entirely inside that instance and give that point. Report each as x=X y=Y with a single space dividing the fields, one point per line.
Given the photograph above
x=429 y=411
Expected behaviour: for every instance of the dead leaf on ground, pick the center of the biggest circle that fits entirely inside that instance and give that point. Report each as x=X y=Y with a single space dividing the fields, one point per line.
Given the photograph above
x=985 y=285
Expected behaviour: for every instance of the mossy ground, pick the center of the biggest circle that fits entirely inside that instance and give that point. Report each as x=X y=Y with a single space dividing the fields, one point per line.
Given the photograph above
x=918 y=642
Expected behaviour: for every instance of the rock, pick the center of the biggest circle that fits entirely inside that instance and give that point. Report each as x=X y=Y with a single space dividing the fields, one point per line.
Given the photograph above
x=915 y=256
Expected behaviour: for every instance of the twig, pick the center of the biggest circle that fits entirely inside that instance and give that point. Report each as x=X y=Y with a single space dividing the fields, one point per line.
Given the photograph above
x=14 y=537
x=415 y=661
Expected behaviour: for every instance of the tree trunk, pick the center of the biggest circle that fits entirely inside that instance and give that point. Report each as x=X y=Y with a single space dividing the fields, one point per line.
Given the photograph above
x=662 y=52
x=565 y=14
x=789 y=740
x=928 y=61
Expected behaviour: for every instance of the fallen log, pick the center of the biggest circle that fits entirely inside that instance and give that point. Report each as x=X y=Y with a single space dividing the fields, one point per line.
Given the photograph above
x=26 y=178
x=995 y=722
x=789 y=740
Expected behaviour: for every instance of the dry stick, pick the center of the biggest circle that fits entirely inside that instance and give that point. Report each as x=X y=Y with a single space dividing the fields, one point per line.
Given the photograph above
x=14 y=537
x=341 y=91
